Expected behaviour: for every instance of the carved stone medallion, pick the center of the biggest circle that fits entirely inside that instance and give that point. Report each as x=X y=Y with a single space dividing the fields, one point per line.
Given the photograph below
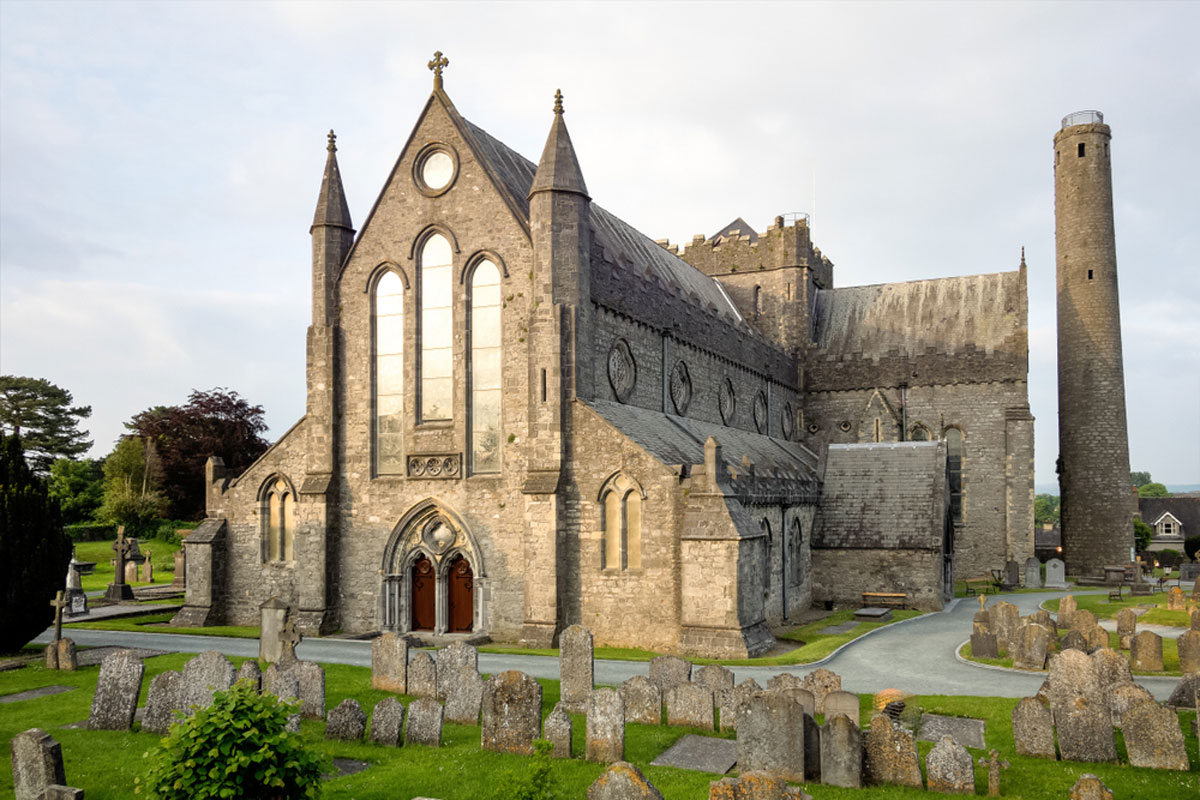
x=681 y=388
x=760 y=412
x=438 y=536
x=435 y=466
x=727 y=401
x=789 y=421
x=622 y=372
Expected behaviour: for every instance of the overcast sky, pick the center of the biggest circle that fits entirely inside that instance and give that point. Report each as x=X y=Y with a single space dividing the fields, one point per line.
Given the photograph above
x=159 y=164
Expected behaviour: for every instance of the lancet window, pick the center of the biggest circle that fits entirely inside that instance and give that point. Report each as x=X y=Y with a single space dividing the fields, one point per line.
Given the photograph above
x=389 y=374
x=437 y=330
x=279 y=520
x=485 y=368
x=954 y=463
x=622 y=502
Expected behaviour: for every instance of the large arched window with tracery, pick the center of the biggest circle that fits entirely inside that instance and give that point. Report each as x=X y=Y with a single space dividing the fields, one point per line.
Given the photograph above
x=279 y=518
x=622 y=503
x=485 y=368
x=437 y=330
x=389 y=374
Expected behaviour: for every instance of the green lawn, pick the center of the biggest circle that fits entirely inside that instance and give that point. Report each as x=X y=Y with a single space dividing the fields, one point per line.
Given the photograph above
x=162 y=554
x=158 y=623
x=105 y=763
x=1103 y=608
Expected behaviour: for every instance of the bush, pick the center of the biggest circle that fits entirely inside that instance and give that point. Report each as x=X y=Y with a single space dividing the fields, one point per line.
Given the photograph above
x=237 y=747
x=533 y=782
x=1169 y=558
x=1191 y=546
x=90 y=532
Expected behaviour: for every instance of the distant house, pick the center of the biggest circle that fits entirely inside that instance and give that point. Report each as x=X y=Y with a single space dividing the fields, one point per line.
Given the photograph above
x=1173 y=519
x=1047 y=541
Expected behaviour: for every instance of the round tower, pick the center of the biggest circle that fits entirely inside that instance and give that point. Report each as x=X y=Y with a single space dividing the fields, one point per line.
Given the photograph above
x=1097 y=520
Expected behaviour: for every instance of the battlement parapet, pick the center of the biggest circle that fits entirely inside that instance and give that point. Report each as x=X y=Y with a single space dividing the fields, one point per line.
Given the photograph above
x=829 y=372
x=785 y=243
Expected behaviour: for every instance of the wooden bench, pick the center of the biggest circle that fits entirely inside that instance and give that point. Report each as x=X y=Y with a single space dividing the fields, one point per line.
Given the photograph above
x=1115 y=594
x=980 y=585
x=887 y=599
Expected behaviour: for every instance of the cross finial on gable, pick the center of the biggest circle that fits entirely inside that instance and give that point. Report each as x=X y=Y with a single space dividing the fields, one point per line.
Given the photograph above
x=558 y=108
x=331 y=147
x=438 y=63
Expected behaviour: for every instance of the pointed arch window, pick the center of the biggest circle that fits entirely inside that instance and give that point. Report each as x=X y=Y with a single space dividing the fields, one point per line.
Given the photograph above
x=622 y=503
x=954 y=464
x=279 y=518
x=389 y=374
x=765 y=525
x=437 y=330
x=485 y=370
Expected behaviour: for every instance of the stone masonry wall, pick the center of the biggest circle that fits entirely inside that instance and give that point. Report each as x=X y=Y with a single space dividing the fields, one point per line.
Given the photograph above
x=840 y=576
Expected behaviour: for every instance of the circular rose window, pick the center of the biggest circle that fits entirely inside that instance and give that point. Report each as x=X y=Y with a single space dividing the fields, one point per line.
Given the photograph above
x=435 y=169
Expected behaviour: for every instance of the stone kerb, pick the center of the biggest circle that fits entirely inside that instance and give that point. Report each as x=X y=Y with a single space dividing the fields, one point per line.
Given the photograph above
x=668 y=671
x=841 y=751
x=690 y=704
x=389 y=663
x=208 y=672
x=890 y=755
x=117 y=690
x=949 y=768
x=37 y=764
x=770 y=736
x=605 y=727
x=162 y=701
x=1153 y=737
x=642 y=700
x=387 y=722
x=576 y=667
x=512 y=713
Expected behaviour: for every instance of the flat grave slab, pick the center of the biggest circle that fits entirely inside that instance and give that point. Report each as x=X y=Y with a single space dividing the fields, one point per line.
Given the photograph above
x=43 y=691
x=873 y=614
x=700 y=753
x=842 y=627
x=347 y=766
x=966 y=731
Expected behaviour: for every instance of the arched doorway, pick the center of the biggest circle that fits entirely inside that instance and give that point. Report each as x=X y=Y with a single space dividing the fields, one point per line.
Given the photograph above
x=461 y=592
x=424 y=595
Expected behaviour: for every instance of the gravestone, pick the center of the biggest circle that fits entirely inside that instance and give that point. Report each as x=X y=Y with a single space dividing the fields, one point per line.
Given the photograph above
x=464 y=700
x=512 y=713
x=249 y=671
x=1072 y=674
x=605 y=727
x=131 y=572
x=784 y=680
x=840 y=702
x=208 y=672
x=456 y=663
x=1126 y=626
x=1083 y=620
x=770 y=736
x=275 y=673
x=59 y=792
x=1186 y=692
x=1089 y=787
x=1085 y=731
x=1175 y=600
x=115 y=700
x=1056 y=574
x=389 y=663
x=37 y=764
x=272 y=616
x=1111 y=668
x=1033 y=730
x=994 y=765
x=821 y=682
x=422 y=675
x=52 y=649
x=889 y=755
x=147 y=569
x=1074 y=640
x=68 y=659
x=424 y=722
x=1004 y=619
x=575 y=667
x=967 y=731
x=1196 y=614
x=1096 y=637
x=699 y=753
x=1033 y=573
x=984 y=643
x=949 y=768
x=642 y=700
x=285 y=686
x=119 y=590
x=1066 y=611
x=1033 y=647
x=311 y=677
x=1012 y=574
x=1042 y=617
x=802 y=696
x=690 y=704
x=162 y=701
x=289 y=639
x=668 y=671
x=1125 y=696
x=179 y=581
x=623 y=781
x=841 y=751
x=754 y=786
x=734 y=700
x=346 y=721
x=1146 y=652
x=1153 y=737
x=77 y=602
x=715 y=677
x=557 y=730
x=1188 y=645
x=387 y=722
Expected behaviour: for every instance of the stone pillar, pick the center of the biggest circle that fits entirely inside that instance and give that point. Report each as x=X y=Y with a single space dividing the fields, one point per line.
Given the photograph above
x=273 y=613
x=205 y=579
x=1018 y=482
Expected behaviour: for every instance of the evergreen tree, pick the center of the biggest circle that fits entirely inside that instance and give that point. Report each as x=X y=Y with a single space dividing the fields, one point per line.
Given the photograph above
x=34 y=552
x=41 y=414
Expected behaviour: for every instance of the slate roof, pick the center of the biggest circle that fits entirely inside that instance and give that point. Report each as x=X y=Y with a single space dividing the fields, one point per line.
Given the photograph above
x=888 y=495
x=946 y=314
x=1184 y=509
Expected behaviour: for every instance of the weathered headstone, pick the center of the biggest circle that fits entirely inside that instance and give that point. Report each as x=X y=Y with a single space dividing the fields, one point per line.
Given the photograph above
x=557 y=730
x=1126 y=626
x=802 y=696
x=984 y=643
x=1153 y=737
x=1175 y=599
x=841 y=750
x=1033 y=573
x=1186 y=692
x=311 y=677
x=623 y=781
x=387 y=722
x=1196 y=614
x=770 y=736
x=732 y=702
x=605 y=727
x=52 y=649
x=162 y=701
x=456 y=663
x=755 y=786
x=68 y=659
x=949 y=768
x=204 y=674
x=1012 y=574
x=668 y=671
x=147 y=569
x=1074 y=640
x=1042 y=617
x=1085 y=731
x=643 y=700
x=422 y=675
x=389 y=663
x=272 y=616
x=840 y=702
x=1056 y=574
x=179 y=581
x=700 y=753
x=289 y=639
x=1004 y=619
x=690 y=704
x=1089 y=787
x=1033 y=729
x=119 y=590
x=131 y=572
x=250 y=672
x=715 y=677
x=284 y=685
x=821 y=682
x=115 y=700
x=1096 y=637
x=1125 y=696
x=575 y=667
x=1111 y=668
x=1146 y=652
x=1083 y=620
x=346 y=721
x=424 y=722
x=463 y=703
x=1033 y=647
x=889 y=755
x=994 y=765
x=512 y=713
x=967 y=731
x=784 y=680
x=1066 y=611
x=1189 y=651
x=77 y=602
x=37 y=764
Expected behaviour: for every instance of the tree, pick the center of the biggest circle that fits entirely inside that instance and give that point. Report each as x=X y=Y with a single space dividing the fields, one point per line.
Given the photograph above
x=215 y=423
x=41 y=414
x=131 y=495
x=1142 y=534
x=1153 y=490
x=1045 y=508
x=1139 y=479
x=78 y=486
x=33 y=550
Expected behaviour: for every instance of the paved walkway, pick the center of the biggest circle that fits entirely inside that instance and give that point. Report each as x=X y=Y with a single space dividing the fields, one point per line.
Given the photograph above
x=916 y=656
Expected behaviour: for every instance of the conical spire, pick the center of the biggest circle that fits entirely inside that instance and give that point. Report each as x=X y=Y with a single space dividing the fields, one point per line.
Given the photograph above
x=558 y=171
x=331 y=204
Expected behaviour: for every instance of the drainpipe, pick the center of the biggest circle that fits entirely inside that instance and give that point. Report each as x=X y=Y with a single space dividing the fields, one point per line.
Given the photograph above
x=904 y=412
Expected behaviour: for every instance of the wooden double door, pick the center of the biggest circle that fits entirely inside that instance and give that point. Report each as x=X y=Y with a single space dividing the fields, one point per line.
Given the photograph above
x=460 y=595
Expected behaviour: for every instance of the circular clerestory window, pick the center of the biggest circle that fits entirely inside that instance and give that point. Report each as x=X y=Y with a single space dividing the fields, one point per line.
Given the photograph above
x=435 y=169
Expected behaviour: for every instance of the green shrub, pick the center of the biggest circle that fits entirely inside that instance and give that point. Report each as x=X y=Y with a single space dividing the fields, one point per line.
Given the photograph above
x=1191 y=546
x=535 y=781
x=90 y=532
x=237 y=747
x=1169 y=557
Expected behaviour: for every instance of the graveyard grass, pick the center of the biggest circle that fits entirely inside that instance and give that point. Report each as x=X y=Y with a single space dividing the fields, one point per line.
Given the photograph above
x=162 y=555
x=1170 y=656
x=1103 y=608
x=105 y=763
x=160 y=622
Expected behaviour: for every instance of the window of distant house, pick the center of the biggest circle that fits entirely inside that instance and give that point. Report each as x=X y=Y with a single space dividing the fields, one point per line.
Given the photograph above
x=485 y=368
x=280 y=519
x=622 y=502
x=437 y=330
x=389 y=374
x=1168 y=529
x=954 y=463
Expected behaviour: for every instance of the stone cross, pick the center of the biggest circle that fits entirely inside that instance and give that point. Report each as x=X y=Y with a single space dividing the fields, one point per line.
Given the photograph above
x=438 y=63
x=58 y=604
x=982 y=601
x=121 y=547
x=288 y=639
x=994 y=765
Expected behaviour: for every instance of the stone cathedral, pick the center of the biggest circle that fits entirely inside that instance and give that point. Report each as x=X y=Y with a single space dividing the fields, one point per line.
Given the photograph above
x=523 y=413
